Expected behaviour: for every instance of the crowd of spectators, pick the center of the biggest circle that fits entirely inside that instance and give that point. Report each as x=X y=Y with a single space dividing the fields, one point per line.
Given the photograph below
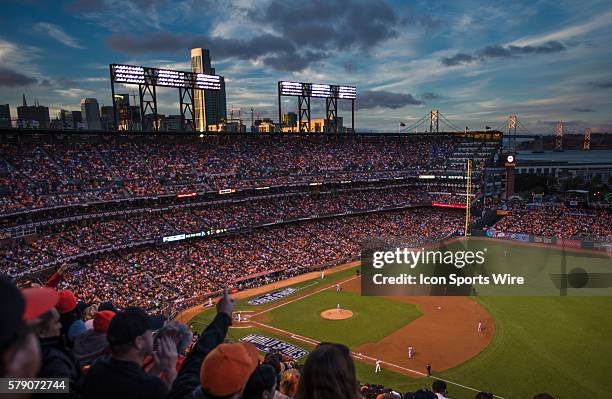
x=557 y=220
x=46 y=175
x=159 y=274
x=102 y=352
x=58 y=241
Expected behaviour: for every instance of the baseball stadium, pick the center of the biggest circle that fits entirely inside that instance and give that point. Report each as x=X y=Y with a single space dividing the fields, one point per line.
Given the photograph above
x=113 y=231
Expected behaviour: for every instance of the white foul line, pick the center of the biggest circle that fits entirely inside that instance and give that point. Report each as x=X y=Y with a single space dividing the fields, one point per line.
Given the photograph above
x=357 y=355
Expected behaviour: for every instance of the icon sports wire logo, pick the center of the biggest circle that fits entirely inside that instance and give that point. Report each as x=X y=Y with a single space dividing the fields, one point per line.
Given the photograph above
x=411 y=258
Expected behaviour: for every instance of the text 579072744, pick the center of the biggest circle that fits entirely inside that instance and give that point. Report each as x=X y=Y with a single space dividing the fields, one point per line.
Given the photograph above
x=34 y=385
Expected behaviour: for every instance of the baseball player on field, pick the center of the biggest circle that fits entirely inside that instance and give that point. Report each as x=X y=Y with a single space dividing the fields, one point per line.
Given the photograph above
x=480 y=327
x=377 y=369
x=410 y=352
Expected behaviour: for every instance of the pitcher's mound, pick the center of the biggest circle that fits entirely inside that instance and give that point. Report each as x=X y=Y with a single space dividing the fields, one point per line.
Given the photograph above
x=336 y=314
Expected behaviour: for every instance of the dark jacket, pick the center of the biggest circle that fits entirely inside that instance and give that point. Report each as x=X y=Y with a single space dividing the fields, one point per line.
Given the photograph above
x=58 y=362
x=188 y=378
x=109 y=378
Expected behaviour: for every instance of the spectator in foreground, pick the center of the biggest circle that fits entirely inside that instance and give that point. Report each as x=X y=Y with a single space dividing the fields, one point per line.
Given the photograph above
x=181 y=337
x=483 y=395
x=213 y=369
x=130 y=338
x=92 y=344
x=329 y=373
x=422 y=394
x=261 y=383
x=288 y=384
x=19 y=350
x=439 y=388
x=57 y=360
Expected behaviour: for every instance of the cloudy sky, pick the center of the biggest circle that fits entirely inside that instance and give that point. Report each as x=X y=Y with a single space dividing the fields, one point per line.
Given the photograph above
x=475 y=60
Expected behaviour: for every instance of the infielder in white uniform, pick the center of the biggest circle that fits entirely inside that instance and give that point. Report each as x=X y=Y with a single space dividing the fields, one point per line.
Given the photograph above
x=377 y=369
x=322 y=274
x=480 y=327
x=338 y=308
x=410 y=352
x=337 y=287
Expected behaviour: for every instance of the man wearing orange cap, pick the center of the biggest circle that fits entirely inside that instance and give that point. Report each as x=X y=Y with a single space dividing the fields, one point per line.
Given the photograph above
x=214 y=369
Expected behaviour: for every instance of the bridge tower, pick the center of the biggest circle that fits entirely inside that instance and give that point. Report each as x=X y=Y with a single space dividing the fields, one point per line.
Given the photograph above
x=433 y=120
x=586 y=145
x=559 y=132
x=512 y=121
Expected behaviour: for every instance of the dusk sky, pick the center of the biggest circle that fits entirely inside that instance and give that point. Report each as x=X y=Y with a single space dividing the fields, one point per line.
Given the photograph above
x=476 y=61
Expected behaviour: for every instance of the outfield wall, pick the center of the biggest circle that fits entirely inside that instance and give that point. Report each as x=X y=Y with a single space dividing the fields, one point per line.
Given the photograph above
x=571 y=243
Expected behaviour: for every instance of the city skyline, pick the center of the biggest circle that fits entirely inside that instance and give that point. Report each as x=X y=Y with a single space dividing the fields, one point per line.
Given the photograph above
x=475 y=61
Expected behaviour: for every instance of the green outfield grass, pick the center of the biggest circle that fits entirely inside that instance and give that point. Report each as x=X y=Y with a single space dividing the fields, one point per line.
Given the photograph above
x=559 y=345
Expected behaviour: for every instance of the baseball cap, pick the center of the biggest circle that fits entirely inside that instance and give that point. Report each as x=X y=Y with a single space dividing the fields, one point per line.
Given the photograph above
x=227 y=368
x=108 y=305
x=38 y=301
x=67 y=302
x=127 y=325
x=19 y=306
x=102 y=320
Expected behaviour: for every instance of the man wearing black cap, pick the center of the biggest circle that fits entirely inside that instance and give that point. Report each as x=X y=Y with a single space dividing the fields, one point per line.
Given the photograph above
x=130 y=338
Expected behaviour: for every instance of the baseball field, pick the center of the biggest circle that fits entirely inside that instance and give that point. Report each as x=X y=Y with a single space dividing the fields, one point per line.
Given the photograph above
x=529 y=344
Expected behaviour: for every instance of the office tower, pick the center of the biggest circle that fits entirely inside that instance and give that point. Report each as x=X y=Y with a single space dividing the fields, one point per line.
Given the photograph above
x=33 y=116
x=107 y=117
x=91 y=113
x=209 y=105
x=5 y=116
x=290 y=119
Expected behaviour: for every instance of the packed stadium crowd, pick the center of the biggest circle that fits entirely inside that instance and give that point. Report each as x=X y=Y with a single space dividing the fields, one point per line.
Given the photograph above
x=45 y=175
x=98 y=319
x=557 y=220
x=169 y=274
x=61 y=241
x=101 y=351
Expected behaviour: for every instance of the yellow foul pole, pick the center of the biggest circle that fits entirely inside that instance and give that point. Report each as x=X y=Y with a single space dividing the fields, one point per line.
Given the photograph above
x=468 y=196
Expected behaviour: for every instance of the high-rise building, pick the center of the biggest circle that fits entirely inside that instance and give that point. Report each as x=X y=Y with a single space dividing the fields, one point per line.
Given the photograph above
x=128 y=116
x=65 y=117
x=71 y=119
x=77 y=119
x=33 y=116
x=5 y=116
x=209 y=105
x=290 y=119
x=107 y=117
x=91 y=114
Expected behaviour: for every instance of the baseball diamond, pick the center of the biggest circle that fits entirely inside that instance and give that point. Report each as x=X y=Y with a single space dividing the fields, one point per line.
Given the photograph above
x=465 y=339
